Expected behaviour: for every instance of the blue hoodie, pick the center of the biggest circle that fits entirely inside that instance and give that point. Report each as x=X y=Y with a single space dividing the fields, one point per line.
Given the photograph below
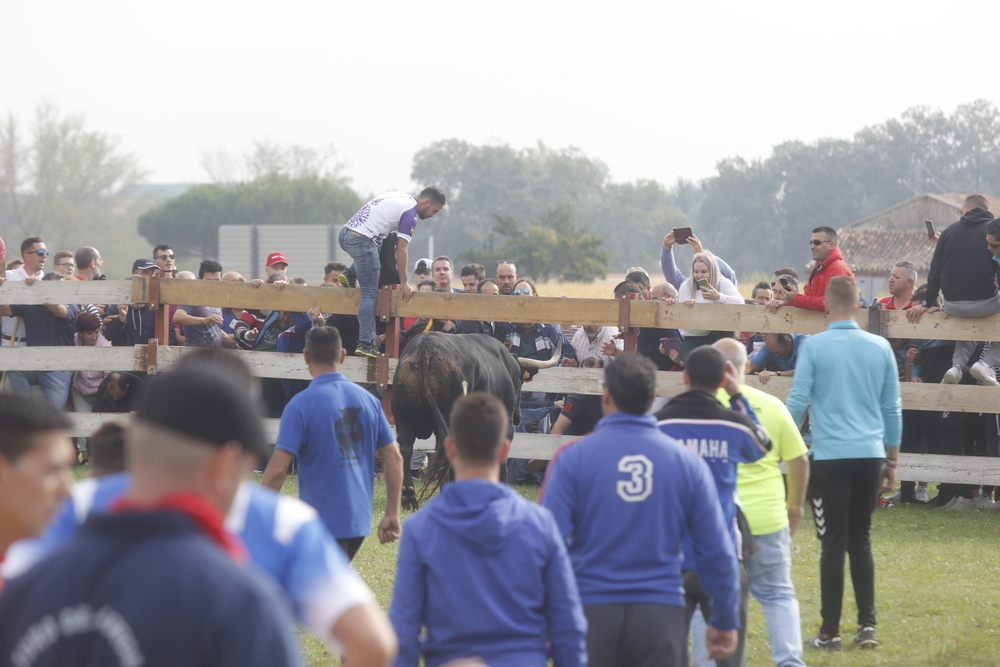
x=487 y=573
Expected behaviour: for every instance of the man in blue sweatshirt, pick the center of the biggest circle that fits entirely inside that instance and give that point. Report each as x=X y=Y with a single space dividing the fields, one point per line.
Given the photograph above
x=625 y=497
x=851 y=380
x=483 y=569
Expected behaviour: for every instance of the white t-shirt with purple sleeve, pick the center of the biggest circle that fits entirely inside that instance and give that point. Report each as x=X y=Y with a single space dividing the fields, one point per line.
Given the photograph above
x=387 y=213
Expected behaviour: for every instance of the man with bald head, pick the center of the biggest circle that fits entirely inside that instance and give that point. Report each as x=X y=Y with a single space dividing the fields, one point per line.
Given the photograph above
x=506 y=276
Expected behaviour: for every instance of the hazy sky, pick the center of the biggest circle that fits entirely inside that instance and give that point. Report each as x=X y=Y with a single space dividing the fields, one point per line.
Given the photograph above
x=655 y=89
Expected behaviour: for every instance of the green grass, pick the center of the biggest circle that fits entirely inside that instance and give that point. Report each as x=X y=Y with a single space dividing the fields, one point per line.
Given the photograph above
x=937 y=589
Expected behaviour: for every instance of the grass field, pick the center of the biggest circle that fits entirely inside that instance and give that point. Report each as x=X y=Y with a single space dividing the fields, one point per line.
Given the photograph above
x=938 y=590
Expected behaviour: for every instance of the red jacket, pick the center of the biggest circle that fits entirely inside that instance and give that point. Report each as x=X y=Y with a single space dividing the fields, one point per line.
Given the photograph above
x=814 y=297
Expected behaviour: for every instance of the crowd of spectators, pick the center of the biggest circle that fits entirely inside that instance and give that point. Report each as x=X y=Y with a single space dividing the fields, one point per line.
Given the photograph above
x=718 y=406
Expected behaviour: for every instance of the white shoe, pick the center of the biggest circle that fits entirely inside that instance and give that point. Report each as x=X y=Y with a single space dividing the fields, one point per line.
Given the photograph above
x=962 y=504
x=983 y=503
x=896 y=497
x=982 y=372
x=953 y=376
x=948 y=505
x=922 y=495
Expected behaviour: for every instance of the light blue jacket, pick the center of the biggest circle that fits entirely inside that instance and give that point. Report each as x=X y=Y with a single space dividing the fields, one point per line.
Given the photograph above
x=851 y=380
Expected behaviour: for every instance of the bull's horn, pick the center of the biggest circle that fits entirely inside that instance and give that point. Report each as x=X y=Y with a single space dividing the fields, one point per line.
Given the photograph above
x=535 y=363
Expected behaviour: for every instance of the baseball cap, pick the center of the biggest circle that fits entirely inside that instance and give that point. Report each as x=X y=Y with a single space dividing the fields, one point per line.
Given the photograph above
x=142 y=264
x=205 y=404
x=423 y=265
x=276 y=258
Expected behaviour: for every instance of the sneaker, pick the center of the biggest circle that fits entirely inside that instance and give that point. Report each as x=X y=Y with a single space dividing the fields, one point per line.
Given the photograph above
x=953 y=376
x=824 y=642
x=983 y=503
x=896 y=497
x=982 y=372
x=367 y=350
x=344 y=280
x=922 y=495
x=948 y=505
x=866 y=637
x=961 y=504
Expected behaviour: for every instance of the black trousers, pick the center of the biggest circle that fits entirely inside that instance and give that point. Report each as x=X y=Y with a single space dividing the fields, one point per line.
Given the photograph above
x=636 y=635
x=915 y=425
x=350 y=545
x=695 y=596
x=843 y=494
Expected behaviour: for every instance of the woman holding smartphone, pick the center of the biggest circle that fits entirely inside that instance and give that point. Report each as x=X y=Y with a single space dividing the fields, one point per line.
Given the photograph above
x=705 y=285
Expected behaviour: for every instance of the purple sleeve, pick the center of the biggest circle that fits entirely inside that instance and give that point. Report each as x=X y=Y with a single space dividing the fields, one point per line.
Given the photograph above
x=726 y=271
x=670 y=272
x=407 y=224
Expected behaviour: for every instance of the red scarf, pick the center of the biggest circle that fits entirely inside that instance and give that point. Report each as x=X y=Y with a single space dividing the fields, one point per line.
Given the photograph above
x=205 y=515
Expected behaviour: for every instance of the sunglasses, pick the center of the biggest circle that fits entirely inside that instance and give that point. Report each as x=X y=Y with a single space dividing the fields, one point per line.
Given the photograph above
x=526 y=291
x=42 y=252
x=817 y=242
x=69 y=264
x=164 y=257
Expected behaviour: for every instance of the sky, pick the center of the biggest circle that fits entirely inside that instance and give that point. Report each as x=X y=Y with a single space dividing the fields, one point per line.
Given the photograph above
x=657 y=90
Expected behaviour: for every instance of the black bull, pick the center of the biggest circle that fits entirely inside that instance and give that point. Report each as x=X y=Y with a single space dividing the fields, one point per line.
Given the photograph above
x=434 y=371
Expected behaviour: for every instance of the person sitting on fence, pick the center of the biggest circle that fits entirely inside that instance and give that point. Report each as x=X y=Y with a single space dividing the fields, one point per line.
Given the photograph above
x=118 y=392
x=673 y=275
x=472 y=275
x=705 y=285
x=136 y=324
x=332 y=271
x=964 y=270
x=580 y=412
x=346 y=324
x=203 y=324
x=777 y=356
x=49 y=325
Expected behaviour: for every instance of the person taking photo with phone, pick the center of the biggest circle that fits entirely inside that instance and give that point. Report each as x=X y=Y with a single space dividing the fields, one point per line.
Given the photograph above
x=705 y=285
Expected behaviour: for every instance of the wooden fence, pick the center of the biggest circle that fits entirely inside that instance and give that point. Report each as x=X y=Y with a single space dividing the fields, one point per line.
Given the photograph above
x=628 y=314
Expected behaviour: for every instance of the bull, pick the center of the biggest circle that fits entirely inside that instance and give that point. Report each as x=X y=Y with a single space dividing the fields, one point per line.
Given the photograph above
x=433 y=372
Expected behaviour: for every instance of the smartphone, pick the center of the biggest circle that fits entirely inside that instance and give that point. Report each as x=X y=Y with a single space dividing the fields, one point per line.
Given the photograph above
x=702 y=283
x=784 y=284
x=930 y=229
x=670 y=343
x=681 y=235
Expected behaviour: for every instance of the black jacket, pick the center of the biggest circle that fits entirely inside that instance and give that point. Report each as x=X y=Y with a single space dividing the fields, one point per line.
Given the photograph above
x=963 y=268
x=699 y=405
x=139 y=326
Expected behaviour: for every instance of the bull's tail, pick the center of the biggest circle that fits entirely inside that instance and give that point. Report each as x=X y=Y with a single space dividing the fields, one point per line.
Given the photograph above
x=438 y=473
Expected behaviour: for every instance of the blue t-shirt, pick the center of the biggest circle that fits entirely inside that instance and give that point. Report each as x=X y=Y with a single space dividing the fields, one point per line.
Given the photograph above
x=333 y=429
x=764 y=356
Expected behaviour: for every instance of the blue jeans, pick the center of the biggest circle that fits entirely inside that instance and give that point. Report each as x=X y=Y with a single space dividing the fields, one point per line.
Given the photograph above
x=770 y=569
x=364 y=252
x=54 y=384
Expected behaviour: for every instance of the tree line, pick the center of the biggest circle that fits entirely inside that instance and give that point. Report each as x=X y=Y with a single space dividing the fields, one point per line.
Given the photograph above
x=558 y=211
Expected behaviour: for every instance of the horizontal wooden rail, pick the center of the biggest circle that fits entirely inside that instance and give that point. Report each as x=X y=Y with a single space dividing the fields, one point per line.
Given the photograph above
x=912 y=467
x=916 y=396
x=720 y=317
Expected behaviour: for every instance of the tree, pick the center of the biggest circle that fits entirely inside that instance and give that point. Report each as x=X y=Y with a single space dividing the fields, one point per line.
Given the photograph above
x=556 y=246
x=757 y=214
x=64 y=182
x=284 y=186
x=496 y=180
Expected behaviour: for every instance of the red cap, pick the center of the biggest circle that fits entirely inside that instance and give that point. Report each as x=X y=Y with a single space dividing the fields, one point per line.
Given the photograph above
x=276 y=258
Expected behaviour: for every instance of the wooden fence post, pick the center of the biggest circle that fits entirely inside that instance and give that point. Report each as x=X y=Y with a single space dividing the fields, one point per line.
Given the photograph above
x=631 y=333
x=391 y=349
x=161 y=329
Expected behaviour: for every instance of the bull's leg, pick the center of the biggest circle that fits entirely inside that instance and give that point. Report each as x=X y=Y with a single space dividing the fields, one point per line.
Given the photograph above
x=406 y=439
